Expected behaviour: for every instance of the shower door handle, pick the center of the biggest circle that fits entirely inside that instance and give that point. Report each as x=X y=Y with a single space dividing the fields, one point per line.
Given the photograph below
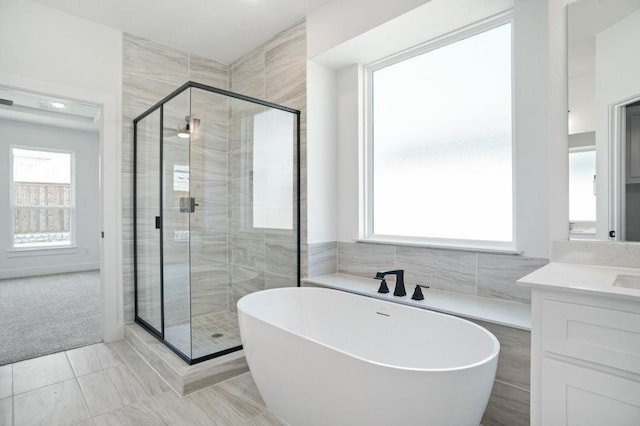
x=188 y=205
x=158 y=222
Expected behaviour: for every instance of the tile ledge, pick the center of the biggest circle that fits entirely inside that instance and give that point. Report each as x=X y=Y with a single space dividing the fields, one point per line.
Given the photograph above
x=506 y=313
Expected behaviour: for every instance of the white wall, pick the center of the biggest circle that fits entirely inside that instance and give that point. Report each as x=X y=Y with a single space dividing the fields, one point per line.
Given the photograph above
x=41 y=43
x=542 y=186
x=541 y=180
x=617 y=71
x=86 y=147
x=582 y=104
x=350 y=139
x=428 y=21
x=322 y=168
x=55 y=53
x=342 y=20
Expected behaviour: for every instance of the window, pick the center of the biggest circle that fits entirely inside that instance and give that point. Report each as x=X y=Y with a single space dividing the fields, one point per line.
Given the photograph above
x=273 y=142
x=439 y=145
x=42 y=198
x=582 y=197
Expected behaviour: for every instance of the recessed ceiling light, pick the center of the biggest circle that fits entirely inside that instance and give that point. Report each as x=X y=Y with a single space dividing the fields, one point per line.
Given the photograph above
x=57 y=105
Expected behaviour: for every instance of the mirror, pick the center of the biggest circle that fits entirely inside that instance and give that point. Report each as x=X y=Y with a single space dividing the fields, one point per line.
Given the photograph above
x=604 y=119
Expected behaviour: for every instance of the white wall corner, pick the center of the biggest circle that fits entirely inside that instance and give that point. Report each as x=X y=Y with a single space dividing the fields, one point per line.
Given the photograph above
x=340 y=20
x=349 y=98
x=322 y=154
x=540 y=125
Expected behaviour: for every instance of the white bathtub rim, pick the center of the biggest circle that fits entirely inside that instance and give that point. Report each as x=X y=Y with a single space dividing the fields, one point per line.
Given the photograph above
x=486 y=360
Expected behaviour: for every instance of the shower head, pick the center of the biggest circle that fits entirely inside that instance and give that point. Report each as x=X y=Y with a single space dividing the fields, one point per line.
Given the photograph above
x=183 y=131
x=191 y=126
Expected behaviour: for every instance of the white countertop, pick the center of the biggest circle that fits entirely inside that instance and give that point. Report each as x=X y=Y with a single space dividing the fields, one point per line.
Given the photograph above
x=511 y=314
x=589 y=279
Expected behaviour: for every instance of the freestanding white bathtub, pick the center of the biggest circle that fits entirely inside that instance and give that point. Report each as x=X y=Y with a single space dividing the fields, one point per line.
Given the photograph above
x=329 y=358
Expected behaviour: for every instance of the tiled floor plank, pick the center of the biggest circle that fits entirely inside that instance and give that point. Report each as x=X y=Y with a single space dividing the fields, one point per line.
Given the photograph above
x=6 y=381
x=177 y=410
x=58 y=404
x=141 y=413
x=39 y=372
x=215 y=407
x=241 y=393
x=6 y=411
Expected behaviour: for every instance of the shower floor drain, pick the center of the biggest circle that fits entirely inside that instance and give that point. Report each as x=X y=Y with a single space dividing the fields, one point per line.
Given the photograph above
x=217 y=335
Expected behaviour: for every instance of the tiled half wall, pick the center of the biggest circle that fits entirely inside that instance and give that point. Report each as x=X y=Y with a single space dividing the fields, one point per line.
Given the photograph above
x=467 y=272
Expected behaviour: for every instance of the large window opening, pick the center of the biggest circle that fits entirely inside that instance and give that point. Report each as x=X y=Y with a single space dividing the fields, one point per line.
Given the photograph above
x=42 y=198
x=439 y=147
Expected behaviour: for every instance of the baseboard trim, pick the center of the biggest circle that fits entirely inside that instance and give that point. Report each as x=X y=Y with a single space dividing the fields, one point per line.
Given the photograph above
x=48 y=270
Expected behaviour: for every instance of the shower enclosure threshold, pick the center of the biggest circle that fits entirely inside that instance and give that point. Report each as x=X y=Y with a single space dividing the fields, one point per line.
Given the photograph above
x=184 y=378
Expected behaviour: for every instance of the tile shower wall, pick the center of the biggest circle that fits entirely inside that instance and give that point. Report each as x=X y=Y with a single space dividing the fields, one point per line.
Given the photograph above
x=275 y=72
x=150 y=72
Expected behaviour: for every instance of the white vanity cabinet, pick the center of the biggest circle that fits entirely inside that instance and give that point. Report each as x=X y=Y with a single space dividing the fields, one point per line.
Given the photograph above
x=585 y=351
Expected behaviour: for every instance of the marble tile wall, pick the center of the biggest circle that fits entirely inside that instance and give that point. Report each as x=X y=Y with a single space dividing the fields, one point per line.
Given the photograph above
x=150 y=72
x=322 y=258
x=276 y=72
x=509 y=402
x=481 y=274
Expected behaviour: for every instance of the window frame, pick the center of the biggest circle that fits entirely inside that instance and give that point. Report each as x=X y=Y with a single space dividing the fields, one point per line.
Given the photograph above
x=71 y=207
x=366 y=187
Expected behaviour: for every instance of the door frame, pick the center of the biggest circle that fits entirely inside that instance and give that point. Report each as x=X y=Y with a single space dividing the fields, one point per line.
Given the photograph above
x=110 y=193
x=618 y=166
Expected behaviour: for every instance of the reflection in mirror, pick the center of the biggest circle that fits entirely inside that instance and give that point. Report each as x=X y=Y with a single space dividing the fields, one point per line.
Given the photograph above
x=604 y=119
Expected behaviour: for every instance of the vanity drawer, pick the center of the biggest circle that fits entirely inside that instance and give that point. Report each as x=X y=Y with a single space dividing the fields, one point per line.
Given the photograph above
x=605 y=336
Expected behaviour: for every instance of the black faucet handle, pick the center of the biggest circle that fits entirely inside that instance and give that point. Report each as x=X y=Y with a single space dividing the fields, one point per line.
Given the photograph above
x=417 y=293
x=383 y=287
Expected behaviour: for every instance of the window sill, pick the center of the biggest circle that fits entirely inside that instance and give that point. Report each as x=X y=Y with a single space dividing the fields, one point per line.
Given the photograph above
x=42 y=251
x=443 y=246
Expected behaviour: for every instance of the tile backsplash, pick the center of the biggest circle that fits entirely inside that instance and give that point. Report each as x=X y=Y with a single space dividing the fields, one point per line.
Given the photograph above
x=601 y=253
x=475 y=273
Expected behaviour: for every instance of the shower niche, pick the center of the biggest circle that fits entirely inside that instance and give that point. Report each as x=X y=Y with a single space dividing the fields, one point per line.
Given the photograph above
x=216 y=213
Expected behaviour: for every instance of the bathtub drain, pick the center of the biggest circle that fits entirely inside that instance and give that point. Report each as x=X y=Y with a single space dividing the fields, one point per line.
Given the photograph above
x=217 y=335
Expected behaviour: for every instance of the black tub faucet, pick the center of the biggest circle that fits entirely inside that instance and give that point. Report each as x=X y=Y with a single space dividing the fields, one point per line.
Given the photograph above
x=399 y=273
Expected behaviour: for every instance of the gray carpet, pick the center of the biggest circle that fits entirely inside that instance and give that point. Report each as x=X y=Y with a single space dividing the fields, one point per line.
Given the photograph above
x=47 y=314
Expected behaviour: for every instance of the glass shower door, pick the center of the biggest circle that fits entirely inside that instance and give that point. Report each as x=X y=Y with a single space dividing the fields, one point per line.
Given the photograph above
x=147 y=228
x=177 y=205
x=216 y=215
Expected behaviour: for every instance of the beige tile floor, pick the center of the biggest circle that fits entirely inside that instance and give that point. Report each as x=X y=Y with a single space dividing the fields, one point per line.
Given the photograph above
x=110 y=384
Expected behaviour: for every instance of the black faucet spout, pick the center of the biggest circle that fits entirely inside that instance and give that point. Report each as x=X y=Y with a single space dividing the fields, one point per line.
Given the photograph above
x=399 y=273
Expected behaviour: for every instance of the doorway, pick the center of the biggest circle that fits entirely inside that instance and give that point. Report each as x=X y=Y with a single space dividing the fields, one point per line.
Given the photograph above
x=50 y=287
x=632 y=166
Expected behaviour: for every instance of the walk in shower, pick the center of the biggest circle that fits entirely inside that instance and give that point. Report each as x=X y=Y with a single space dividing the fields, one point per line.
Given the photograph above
x=216 y=213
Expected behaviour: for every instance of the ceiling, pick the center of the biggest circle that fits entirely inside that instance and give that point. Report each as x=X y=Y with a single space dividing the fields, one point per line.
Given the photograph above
x=586 y=19
x=31 y=107
x=222 y=30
